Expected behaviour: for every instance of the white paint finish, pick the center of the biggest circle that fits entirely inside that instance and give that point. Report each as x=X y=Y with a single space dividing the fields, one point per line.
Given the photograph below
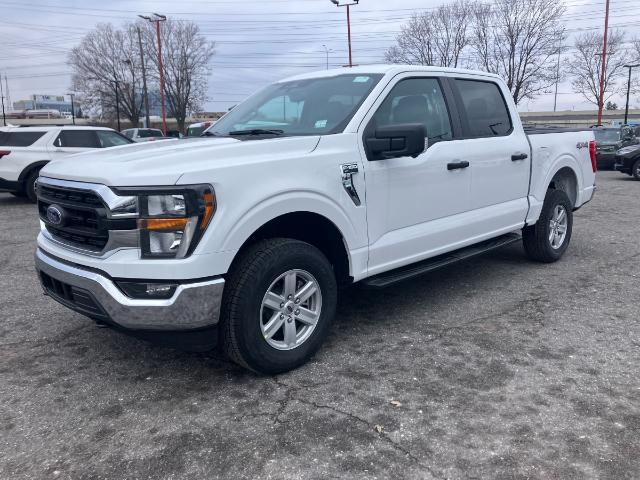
x=411 y=209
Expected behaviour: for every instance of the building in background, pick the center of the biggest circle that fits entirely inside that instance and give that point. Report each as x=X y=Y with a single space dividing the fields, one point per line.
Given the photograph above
x=60 y=103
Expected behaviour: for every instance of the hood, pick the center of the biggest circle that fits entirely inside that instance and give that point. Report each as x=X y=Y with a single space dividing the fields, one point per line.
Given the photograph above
x=163 y=163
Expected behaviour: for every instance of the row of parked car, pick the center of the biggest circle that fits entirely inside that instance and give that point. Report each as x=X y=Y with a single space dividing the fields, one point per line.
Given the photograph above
x=619 y=148
x=24 y=150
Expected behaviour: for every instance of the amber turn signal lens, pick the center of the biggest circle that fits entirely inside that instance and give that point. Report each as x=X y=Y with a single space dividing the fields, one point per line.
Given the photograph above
x=209 y=209
x=162 y=223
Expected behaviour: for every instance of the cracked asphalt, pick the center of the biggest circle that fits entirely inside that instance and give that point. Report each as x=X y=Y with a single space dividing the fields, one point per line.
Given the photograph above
x=498 y=368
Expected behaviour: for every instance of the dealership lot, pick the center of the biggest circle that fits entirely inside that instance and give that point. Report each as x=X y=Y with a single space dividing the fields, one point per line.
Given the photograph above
x=497 y=368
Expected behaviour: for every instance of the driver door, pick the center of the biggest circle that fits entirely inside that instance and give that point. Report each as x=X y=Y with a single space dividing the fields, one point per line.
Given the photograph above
x=416 y=206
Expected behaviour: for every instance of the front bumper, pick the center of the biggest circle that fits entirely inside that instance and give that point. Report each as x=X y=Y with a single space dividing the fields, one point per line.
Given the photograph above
x=606 y=159
x=193 y=305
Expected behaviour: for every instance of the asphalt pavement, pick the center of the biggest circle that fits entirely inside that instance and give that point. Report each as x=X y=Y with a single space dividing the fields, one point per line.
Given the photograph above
x=493 y=368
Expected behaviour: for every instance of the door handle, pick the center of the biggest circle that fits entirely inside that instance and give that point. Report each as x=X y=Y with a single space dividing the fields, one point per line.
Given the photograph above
x=457 y=165
x=519 y=156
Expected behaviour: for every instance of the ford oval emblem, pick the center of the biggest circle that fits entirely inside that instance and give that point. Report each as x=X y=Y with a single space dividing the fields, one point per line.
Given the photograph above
x=55 y=215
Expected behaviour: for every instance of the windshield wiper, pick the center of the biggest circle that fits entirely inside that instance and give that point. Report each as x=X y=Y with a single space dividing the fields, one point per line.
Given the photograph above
x=257 y=131
x=209 y=134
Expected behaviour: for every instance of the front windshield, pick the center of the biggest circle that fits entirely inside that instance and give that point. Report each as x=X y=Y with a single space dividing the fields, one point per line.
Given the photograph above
x=314 y=106
x=611 y=135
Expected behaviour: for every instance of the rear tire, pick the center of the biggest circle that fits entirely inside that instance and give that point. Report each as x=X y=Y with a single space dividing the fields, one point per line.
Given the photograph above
x=262 y=328
x=635 y=170
x=30 y=186
x=548 y=239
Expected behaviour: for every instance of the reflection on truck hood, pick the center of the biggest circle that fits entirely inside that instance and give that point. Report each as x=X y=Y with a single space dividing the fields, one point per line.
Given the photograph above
x=163 y=163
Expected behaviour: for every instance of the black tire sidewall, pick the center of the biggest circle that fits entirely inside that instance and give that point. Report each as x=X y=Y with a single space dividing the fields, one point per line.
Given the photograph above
x=635 y=170
x=29 y=186
x=553 y=199
x=254 y=349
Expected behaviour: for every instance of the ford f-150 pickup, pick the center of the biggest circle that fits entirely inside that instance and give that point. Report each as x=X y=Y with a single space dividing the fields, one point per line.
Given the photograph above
x=373 y=174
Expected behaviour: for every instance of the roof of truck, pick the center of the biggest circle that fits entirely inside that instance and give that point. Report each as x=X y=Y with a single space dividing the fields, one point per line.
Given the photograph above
x=385 y=69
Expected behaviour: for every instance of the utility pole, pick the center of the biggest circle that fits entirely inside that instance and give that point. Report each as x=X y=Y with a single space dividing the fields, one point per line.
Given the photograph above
x=327 y=50
x=144 y=81
x=4 y=116
x=603 y=65
x=73 y=110
x=626 y=108
x=157 y=18
x=555 y=96
x=115 y=84
x=348 y=5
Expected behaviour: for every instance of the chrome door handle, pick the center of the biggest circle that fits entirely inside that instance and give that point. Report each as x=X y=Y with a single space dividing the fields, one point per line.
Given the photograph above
x=348 y=170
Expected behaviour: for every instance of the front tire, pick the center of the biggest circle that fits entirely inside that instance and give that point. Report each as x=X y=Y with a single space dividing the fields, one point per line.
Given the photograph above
x=635 y=171
x=548 y=239
x=278 y=304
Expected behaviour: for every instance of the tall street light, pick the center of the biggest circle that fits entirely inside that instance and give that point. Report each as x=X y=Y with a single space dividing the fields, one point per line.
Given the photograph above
x=348 y=5
x=116 y=85
x=4 y=117
x=327 y=50
x=157 y=18
x=626 y=108
x=145 y=92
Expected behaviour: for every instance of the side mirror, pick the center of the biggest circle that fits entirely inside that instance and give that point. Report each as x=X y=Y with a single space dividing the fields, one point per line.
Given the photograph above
x=392 y=141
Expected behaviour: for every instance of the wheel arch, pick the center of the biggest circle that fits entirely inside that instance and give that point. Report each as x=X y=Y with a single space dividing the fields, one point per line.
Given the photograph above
x=310 y=227
x=30 y=168
x=566 y=179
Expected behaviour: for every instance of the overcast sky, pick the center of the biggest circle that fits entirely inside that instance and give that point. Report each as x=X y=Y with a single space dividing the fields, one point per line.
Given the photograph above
x=256 y=41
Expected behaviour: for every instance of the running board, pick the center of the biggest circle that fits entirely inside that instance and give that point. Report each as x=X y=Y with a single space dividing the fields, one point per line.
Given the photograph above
x=403 y=273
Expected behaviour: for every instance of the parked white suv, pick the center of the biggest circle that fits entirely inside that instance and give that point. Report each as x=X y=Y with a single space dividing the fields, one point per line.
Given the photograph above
x=373 y=174
x=25 y=150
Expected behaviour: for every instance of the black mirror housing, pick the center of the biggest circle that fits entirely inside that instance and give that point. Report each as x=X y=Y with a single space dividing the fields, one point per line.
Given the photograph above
x=392 y=141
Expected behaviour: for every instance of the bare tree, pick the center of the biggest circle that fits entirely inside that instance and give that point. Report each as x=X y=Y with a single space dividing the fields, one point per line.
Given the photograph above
x=434 y=38
x=518 y=40
x=585 y=65
x=185 y=55
x=105 y=60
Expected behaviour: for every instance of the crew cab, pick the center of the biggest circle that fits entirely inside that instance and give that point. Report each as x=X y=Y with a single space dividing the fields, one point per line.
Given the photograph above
x=373 y=174
x=25 y=150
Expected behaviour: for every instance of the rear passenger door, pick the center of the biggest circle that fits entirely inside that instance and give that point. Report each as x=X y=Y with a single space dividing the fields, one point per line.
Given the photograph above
x=498 y=153
x=69 y=142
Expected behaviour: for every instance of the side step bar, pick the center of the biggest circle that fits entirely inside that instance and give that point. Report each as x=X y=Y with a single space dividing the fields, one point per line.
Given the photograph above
x=404 y=273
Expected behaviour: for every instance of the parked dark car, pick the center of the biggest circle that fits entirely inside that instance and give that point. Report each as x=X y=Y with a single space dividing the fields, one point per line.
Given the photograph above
x=608 y=141
x=628 y=160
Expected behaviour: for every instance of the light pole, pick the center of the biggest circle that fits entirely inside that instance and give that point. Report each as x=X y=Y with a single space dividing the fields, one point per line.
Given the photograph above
x=157 y=18
x=73 y=111
x=626 y=108
x=145 y=92
x=4 y=116
x=115 y=84
x=348 y=5
x=327 y=50
x=603 y=65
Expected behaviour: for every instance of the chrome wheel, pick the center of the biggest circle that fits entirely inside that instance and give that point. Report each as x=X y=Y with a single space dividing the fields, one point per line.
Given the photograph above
x=290 y=309
x=558 y=227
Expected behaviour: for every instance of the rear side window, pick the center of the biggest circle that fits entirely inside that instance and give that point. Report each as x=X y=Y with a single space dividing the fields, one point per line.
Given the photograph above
x=77 y=139
x=149 y=133
x=111 y=139
x=487 y=112
x=19 y=139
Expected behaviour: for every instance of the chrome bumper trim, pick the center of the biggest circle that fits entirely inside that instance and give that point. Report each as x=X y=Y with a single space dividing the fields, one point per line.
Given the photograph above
x=193 y=305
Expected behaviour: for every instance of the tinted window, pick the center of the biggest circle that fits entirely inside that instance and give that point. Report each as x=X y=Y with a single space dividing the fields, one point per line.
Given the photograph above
x=486 y=109
x=417 y=100
x=195 y=131
x=77 y=139
x=148 y=133
x=111 y=139
x=19 y=139
x=128 y=133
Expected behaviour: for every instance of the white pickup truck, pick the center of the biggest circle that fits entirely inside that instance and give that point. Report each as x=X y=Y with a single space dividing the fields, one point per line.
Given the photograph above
x=371 y=174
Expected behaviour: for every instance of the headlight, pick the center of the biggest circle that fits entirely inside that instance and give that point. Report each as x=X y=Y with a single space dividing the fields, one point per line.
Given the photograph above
x=172 y=220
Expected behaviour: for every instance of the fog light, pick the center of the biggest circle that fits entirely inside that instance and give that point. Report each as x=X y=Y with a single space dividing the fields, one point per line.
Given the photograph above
x=147 y=290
